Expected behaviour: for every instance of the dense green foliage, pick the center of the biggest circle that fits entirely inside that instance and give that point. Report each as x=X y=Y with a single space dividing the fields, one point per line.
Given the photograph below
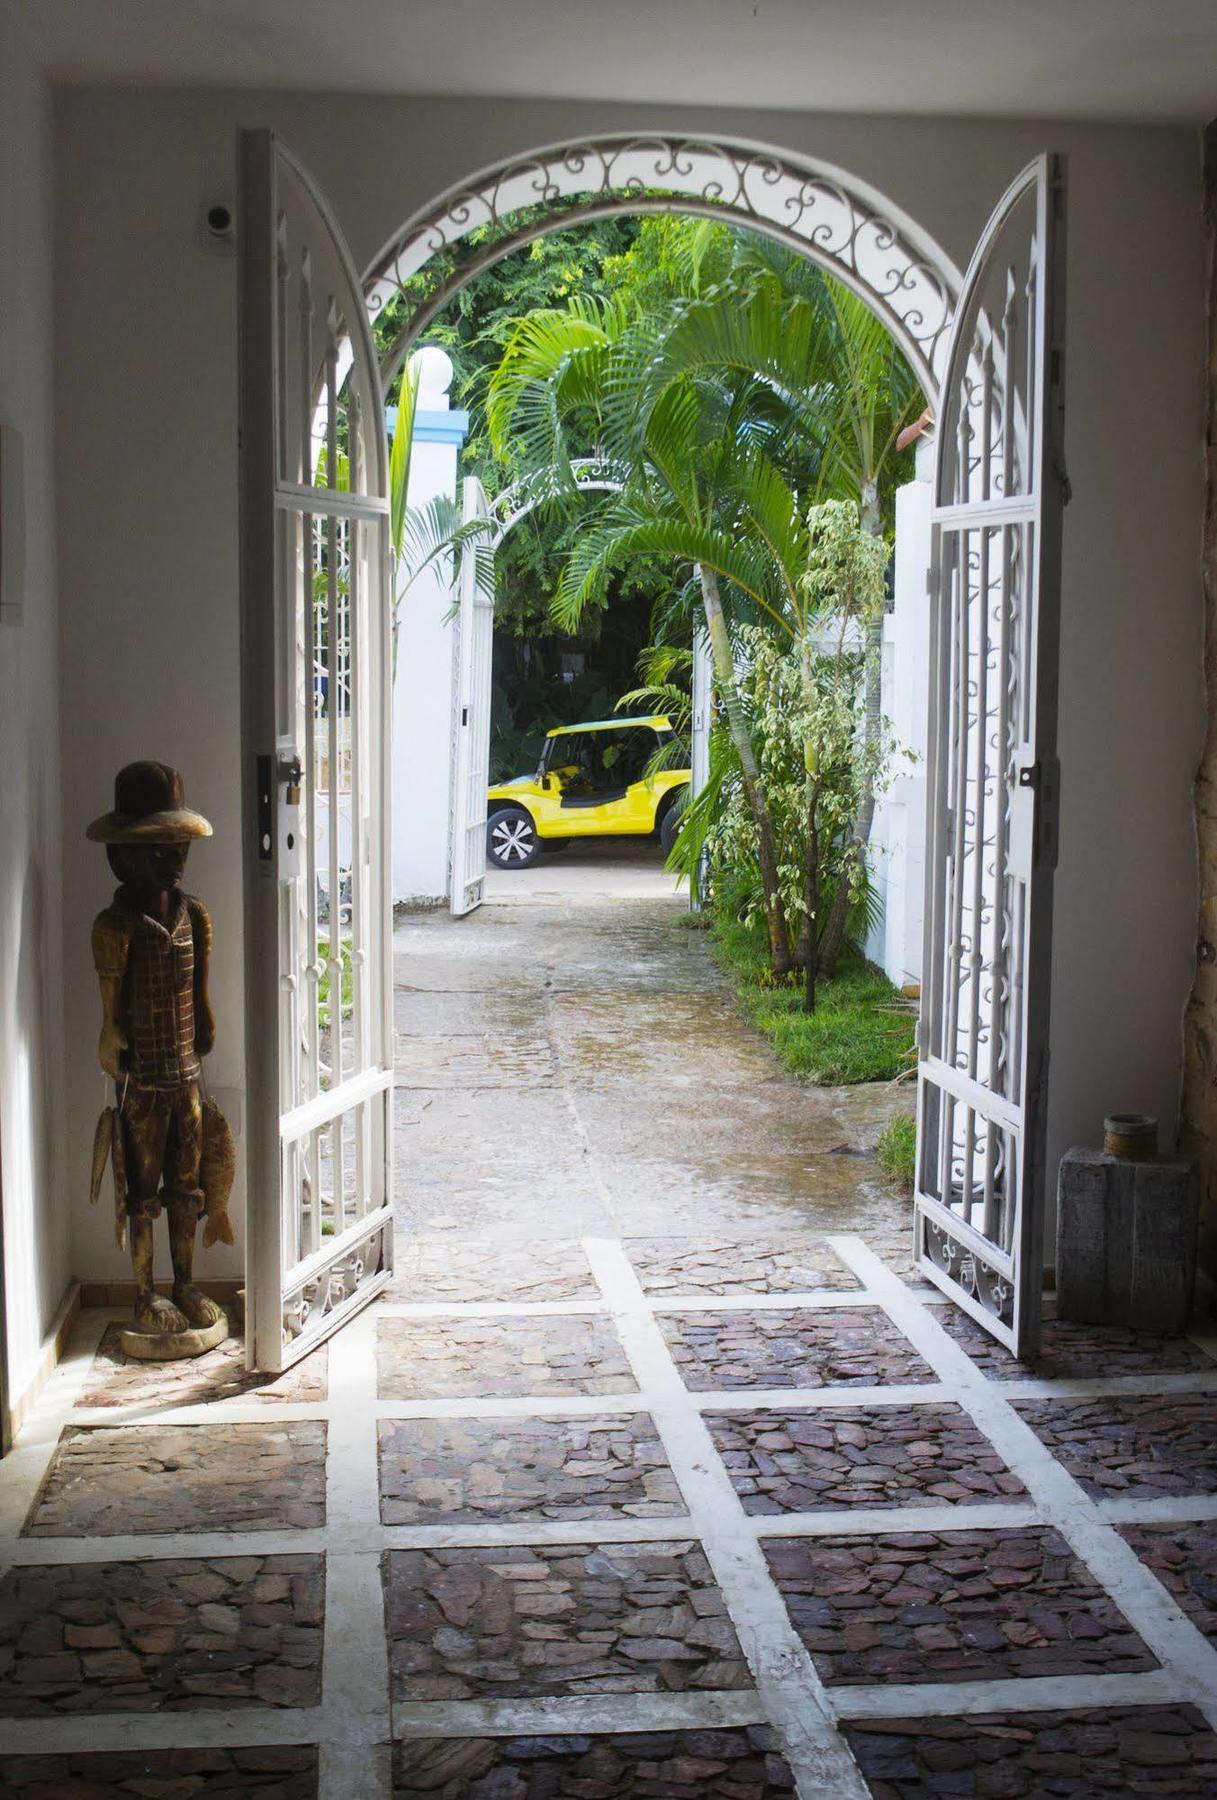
x=748 y=408
x=862 y=1029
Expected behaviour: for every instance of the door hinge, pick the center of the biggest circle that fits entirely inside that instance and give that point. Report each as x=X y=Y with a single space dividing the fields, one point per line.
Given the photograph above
x=1029 y=776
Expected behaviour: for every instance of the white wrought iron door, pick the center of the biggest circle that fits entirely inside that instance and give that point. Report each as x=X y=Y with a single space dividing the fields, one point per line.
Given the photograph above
x=315 y=739
x=993 y=775
x=474 y=651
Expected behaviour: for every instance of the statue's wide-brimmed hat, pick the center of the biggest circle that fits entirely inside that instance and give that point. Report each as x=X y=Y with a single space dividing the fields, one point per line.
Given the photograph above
x=148 y=809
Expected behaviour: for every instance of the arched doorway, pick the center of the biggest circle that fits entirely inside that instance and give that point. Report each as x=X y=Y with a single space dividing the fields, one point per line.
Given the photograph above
x=813 y=207
x=988 y=351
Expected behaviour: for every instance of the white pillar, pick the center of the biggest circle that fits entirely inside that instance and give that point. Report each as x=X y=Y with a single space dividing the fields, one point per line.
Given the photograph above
x=422 y=687
x=898 y=836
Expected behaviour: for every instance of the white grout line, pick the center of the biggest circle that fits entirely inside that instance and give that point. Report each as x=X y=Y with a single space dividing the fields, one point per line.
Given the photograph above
x=819 y=1299
x=370 y=1538
x=928 y=1393
x=576 y=1715
x=869 y=1520
x=201 y=1412
x=1099 y=1387
x=1189 y=1660
x=785 y=1676
x=1015 y=1694
x=355 y=1753
x=590 y=1531
x=207 y=1729
x=456 y=1310
x=164 y=1546
x=517 y=1406
x=1170 y=1509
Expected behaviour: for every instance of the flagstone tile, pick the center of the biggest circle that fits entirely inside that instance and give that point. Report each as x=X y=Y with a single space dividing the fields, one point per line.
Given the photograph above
x=821 y=1460
x=1078 y=1352
x=110 y=1480
x=220 y=1374
x=683 y=1265
x=448 y=1471
x=741 y=1763
x=1152 y=1751
x=857 y=1347
x=1184 y=1558
x=1131 y=1447
x=436 y=1271
x=950 y=1606
x=422 y=1359
x=180 y=1634
x=271 y=1771
x=568 y=1619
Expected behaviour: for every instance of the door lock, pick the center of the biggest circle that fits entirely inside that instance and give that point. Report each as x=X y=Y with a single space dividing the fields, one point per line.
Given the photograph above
x=292 y=776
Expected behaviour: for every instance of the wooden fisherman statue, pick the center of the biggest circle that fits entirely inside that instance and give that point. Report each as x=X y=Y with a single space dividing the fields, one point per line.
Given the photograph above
x=151 y=949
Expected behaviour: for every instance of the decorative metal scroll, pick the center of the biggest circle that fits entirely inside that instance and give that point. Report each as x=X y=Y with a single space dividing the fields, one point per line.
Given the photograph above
x=992 y=787
x=315 y=696
x=812 y=207
x=585 y=475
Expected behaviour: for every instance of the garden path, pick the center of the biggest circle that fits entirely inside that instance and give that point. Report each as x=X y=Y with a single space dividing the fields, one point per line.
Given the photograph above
x=652 y=1476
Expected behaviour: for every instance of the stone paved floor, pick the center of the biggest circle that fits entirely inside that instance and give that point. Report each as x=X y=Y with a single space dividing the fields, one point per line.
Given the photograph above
x=652 y=1476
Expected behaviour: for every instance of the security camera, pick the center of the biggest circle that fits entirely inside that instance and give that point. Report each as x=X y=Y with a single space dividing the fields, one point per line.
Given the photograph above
x=219 y=226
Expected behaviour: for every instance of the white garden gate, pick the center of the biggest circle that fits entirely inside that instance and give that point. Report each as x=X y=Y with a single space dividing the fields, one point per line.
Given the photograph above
x=993 y=776
x=473 y=654
x=315 y=737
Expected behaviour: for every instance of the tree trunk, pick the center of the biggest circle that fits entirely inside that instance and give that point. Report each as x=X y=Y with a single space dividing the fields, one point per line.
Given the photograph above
x=724 y=670
x=832 y=939
x=811 y=968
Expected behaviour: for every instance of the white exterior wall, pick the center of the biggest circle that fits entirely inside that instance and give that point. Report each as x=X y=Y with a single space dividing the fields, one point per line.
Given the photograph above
x=146 y=366
x=898 y=834
x=422 y=688
x=37 y=1164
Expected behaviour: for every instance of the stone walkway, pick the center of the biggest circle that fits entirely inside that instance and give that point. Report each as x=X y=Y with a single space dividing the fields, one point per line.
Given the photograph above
x=634 y=1486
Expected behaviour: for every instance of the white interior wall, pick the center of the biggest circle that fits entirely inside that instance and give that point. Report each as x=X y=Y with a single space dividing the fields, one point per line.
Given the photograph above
x=147 y=473
x=31 y=1038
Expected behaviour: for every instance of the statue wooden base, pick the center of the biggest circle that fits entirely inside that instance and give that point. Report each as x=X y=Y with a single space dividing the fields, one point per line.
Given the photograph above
x=168 y=1346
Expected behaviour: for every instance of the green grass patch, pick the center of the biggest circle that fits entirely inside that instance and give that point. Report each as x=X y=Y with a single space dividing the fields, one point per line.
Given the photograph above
x=862 y=1028
x=896 y=1152
x=324 y=1011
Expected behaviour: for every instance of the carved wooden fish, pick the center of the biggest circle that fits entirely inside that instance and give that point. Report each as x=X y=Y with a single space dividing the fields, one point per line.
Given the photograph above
x=102 y=1138
x=217 y=1171
x=118 y=1162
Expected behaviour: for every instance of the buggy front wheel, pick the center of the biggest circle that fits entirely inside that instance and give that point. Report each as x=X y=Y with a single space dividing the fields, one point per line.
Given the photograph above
x=511 y=839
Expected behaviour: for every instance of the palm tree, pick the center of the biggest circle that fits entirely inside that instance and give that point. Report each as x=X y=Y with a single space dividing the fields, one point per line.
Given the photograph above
x=579 y=380
x=835 y=366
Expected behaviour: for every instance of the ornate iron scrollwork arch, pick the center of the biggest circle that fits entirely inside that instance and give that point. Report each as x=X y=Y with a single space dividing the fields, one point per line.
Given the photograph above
x=840 y=223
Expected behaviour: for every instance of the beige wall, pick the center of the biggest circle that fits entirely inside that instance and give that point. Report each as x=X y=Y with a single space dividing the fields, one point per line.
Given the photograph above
x=147 y=469
x=31 y=1044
